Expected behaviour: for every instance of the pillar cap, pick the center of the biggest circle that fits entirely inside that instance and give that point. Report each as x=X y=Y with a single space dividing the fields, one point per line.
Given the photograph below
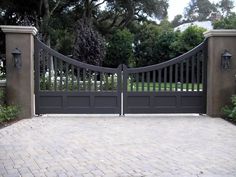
x=220 y=32
x=19 y=29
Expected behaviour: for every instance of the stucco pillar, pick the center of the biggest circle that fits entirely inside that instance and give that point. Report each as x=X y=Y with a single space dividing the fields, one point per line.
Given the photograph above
x=20 y=82
x=220 y=83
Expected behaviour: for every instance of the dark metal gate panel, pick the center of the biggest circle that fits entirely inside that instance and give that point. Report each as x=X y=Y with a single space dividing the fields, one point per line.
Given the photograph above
x=64 y=85
x=175 y=86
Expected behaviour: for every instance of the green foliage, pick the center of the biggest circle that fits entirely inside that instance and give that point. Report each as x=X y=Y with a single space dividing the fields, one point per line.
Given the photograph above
x=7 y=112
x=188 y=39
x=145 y=43
x=226 y=7
x=230 y=111
x=177 y=20
x=62 y=40
x=89 y=45
x=199 y=10
x=119 y=49
x=152 y=43
x=226 y=23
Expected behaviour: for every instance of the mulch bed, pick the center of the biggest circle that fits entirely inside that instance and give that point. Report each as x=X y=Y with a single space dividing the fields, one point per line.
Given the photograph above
x=8 y=123
x=232 y=121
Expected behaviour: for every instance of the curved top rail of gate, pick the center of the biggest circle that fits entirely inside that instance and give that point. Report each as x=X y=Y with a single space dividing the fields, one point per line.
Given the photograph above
x=41 y=46
x=173 y=61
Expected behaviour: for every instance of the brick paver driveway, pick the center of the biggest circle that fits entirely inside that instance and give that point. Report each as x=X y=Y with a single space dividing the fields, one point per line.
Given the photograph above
x=160 y=146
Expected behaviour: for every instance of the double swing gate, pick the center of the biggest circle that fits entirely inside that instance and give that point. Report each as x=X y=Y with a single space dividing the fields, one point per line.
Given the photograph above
x=64 y=85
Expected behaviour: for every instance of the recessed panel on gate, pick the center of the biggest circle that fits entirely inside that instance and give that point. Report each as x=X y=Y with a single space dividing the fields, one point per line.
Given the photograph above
x=164 y=101
x=190 y=101
x=51 y=101
x=141 y=101
x=78 y=101
x=105 y=102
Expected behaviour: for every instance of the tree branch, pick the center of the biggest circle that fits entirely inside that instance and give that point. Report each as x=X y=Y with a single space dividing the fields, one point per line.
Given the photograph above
x=99 y=4
x=54 y=8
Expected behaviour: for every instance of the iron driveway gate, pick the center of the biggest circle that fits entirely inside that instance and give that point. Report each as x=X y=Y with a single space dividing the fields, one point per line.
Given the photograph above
x=64 y=85
x=175 y=86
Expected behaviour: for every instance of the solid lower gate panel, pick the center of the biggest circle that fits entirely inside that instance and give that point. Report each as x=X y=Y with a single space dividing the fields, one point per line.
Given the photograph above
x=77 y=103
x=165 y=102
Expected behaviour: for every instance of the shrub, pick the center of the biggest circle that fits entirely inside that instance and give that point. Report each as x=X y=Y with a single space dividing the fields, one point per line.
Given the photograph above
x=7 y=112
x=230 y=110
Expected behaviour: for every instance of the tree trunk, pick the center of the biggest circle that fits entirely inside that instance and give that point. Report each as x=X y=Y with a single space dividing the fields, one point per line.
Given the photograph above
x=46 y=37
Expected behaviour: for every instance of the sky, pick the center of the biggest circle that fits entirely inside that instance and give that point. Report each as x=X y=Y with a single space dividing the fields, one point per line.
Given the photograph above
x=177 y=7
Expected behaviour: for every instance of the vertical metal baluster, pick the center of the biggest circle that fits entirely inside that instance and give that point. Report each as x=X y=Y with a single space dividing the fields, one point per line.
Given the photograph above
x=137 y=82
x=101 y=78
x=61 y=71
x=143 y=81
x=49 y=75
x=198 y=71
x=67 y=68
x=131 y=82
x=192 y=62
x=84 y=79
x=78 y=78
x=112 y=82
x=107 y=82
x=44 y=70
x=72 y=73
x=55 y=74
x=176 y=77
x=148 y=81
x=154 y=80
x=182 y=75
x=165 y=76
x=95 y=81
x=89 y=80
x=170 y=77
x=187 y=74
x=159 y=79
x=203 y=70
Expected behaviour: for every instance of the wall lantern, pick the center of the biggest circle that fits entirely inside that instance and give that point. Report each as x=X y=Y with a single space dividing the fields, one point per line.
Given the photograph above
x=225 y=59
x=16 y=53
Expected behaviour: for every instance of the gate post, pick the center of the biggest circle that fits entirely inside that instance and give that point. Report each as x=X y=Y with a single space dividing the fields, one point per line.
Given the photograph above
x=220 y=82
x=20 y=81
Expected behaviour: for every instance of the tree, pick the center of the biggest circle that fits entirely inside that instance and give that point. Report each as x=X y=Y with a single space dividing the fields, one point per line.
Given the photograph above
x=120 y=13
x=188 y=39
x=225 y=7
x=226 y=23
x=199 y=10
x=153 y=43
x=178 y=20
x=119 y=49
x=89 y=46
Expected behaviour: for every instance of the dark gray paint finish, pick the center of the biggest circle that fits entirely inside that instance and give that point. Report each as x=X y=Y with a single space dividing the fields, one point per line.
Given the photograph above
x=84 y=99
x=74 y=100
x=172 y=99
x=165 y=102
